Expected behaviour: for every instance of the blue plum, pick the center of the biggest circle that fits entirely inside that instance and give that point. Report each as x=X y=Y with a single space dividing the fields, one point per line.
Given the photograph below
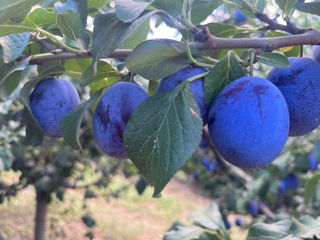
x=291 y=181
x=195 y=176
x=300 y=85
x=316 y=53
x=227 y=224
x=50 y=101
x=313 y=163
x=240 y=18
x=253 y=207
x=169 y=83
x=249 y=122
x=112 y=115
x=205 y=162
x=281 y=187
x=203 y=144
x=238 y=221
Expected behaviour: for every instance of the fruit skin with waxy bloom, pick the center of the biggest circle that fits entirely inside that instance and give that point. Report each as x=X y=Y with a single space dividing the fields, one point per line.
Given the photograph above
x=291 y=181
x=249 y=122
x=316 y=53
x=240 y=17
x=253 y=207
x=169 y=83
x=112 y=115
x=300 y=85
x=50 y=101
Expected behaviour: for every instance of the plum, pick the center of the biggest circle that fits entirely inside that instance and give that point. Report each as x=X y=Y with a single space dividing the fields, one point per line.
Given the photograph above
x=253 y=207
x=238 y=221
x=240 y=18
x=313 y=163
x=316 y=53
x=281 y=187
x=50 y=101
x=112 y=115
x=227 y=224
x=300 y=85
x=248 y=122
x=169 y=83
x=291 y=181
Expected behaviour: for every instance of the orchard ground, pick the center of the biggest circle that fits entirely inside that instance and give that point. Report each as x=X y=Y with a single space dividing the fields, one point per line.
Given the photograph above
x=129 y=217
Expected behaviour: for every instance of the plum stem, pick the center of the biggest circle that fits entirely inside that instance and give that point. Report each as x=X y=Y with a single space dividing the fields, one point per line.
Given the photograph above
x=252 y=57
x=193 y=60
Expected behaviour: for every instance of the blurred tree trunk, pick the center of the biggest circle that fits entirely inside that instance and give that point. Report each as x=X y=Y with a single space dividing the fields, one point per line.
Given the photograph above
x=40 y=220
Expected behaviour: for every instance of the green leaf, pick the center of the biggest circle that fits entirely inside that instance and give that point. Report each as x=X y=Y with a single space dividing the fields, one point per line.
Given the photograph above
x=201 y=9
x=310 y=7
x=70 y=124
x=34 y=133
x=241 y=4
x=162 y=134
x=75 y=67
x=6 y=158
x=305 y=231
x=139 y=36
x=40 y=17
x=224 y=30
x=50 y=69
x=274 y=59
x=174 y=8
x=154 y=59
x=109 y=33
x=13 y=46
x=261 y=4
x=311 y=186
x=9 y=29
x=274 y=231
x=10 y=76
x=15 y=9
x=101 y=70
x=129 y=10
x=96 y=3
x=184 y=233
x=70 y=24
x=210 y=218
x=286 y=5
x=224 y=72
x=83 y=12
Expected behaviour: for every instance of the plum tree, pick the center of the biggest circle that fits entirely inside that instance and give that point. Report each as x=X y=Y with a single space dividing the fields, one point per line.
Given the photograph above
x=253 y=207
x=316 y=52
x=300 y=85
x=249 y=122
x=112 y=115
x=50 y=101
x=291 y=181
x=169 y=83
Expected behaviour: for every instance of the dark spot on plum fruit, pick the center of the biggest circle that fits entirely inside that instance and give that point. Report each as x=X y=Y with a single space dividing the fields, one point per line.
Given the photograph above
x=231 y=93
x=259 y=89
x=289 y=78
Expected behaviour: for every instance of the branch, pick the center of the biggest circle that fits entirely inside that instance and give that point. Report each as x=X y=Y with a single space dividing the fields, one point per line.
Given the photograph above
x=39 y=59
x=310 y=37
x=276 y=26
